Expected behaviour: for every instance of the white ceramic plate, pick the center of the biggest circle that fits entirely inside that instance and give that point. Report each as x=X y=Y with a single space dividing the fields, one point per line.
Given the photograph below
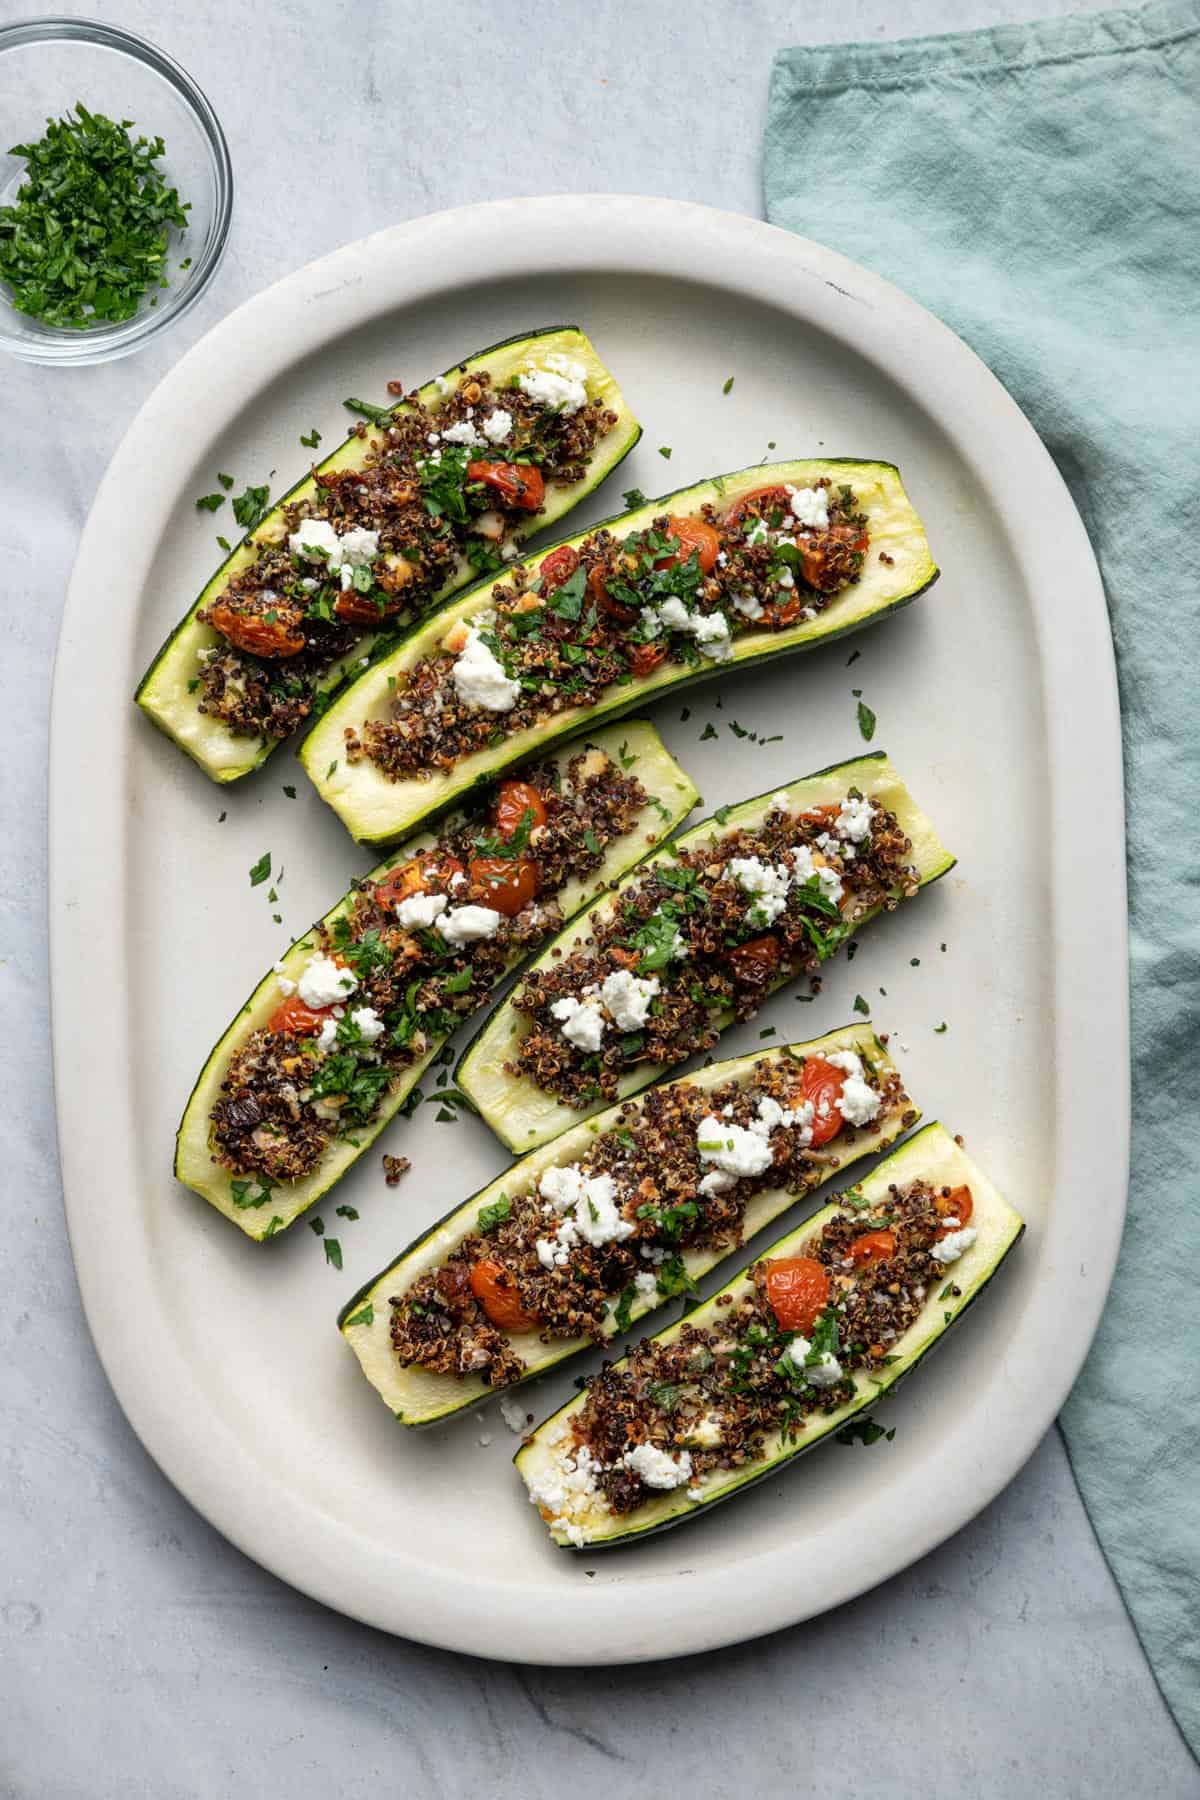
x=995 y=696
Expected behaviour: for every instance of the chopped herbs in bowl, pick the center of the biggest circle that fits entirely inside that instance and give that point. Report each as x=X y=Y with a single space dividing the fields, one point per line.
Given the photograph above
x=115 y=198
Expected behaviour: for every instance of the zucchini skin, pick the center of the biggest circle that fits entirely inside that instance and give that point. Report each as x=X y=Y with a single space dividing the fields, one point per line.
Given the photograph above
x=873 y=1388
x=151 y=689
x=497 y=1029
x=462 y=1393
x=194 y=1166
x=374 y=810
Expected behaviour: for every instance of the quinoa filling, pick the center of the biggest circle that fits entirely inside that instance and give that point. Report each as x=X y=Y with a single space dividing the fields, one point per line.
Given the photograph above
x=714 y=1397
x=419 y=948
x=615 y=610
x=594 y=1236
x=692 y=942
x=374 y=546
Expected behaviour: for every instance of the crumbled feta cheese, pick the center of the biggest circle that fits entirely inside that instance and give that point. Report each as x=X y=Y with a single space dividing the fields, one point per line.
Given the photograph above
x=711 y=632
x=824 y=1372
x=628 y=998
x=559 y=385
x=855 y=816
x=358 y=546
x=513 y=1414
x=555 y=1252
x=859 y=1103
x=731 y=1147
x=497 y=426
x=420 y=910
x=369 y=1023
x=810 y=506
x=717 y=1181
x=598 y=1219
x=949 y=1249
x=758 y=533
x=443 y=385
x=323 y=981
x=749 y=605
x=561 y=1186
x=315 y=541
x=287 y=988
x=582 y=1021
x=656 y=1468
x=771 y=1116
x=479 y=677
x=327 y=1036
x=828 y=880
x=567 y=1487
x=646 y=1286
x=785 y=578
x=466 y=924
x=462 y=433
x=767 y=882
x=708 y=1431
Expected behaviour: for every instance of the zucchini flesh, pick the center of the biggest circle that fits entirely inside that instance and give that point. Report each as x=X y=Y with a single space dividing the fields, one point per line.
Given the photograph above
x=930 y=1155
x=522 y=1114
x=418 y=1396
x=666 y=786
x=163 y=691
x=375 y=809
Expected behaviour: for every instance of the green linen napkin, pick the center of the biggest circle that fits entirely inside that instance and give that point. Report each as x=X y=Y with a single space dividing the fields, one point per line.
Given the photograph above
x=1038 y=187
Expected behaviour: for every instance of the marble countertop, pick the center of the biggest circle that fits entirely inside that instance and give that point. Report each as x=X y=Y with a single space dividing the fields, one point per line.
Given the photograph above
x=142 y=1654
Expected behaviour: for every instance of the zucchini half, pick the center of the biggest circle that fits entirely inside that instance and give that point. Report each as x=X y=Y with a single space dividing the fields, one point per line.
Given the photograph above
x=522 y=1114
x=666 y=786
x=375 y=809
x=418 y=1397
x=163 y=690
x=931 y=1155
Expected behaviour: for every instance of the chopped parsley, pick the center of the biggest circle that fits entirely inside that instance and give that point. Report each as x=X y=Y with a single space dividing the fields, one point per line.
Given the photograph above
x=624 y=1307
x=249 y=507
x=634 y=497
x=210 y=502
x=242 y=1197
x=333 y=1252
x=494 y=1214
x=664 y=450
x=310 y=439
x=261 y=870
x=861 y=1006
x=864 y=1431
x=727 y=388
x=866 y=721
x=364 y=1316
x=673 y=1278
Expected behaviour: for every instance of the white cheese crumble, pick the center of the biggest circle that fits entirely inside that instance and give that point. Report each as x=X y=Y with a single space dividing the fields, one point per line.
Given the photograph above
x=420 y=910
x=749 y=605
x=823 y=1372
x=949 y=1249
x=627 y=998
x=710 y=630
x=323 y=981
x=566 y=1491
x=646 y=1286
x=771 y=1116
x=559 y=385
x=716 y=1182
x=708 y=1431
x=369 y=1023
x=731 y=1147
x=497 y=426
x=859 y=1103
x=767 y=882
x=828 y=880
x=513 y=1414
x=315 y=541
x=582 y=1021
x=854 y=819
x=462 y=433
x=656 y=1468
x=358 y=546
x=327 y=1036
x=758 y=533
x=810 y=506
x=466 y=924
x=479 y=677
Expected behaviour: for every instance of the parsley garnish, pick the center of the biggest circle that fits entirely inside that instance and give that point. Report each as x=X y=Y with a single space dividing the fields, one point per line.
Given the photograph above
x=346 y=1212
x=333 y=1252
x=664 y=450
x=242 y=1197
x=728 y=386
x=634 y=497
x=248 y=508
x=673 y=1278
x=289 y=791
x=261 y=870
x=226 y=481
x=378 y=415
x=942 y=1027
x=365 y=1316
x=311 y=439
x=624 y=1307
x=866 y=720
x=493 y=1215
x=861 y=1006
x=864 y=1431
x=87 y=235
x=210 y=502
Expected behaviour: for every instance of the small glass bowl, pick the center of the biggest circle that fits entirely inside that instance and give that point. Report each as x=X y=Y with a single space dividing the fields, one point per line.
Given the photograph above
x=46 y=65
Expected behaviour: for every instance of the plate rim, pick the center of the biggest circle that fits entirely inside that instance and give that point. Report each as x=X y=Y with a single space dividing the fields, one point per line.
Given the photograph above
x=256 y=344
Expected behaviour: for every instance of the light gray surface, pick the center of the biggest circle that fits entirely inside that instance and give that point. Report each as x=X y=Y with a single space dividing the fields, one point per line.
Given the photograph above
x=139 y=1653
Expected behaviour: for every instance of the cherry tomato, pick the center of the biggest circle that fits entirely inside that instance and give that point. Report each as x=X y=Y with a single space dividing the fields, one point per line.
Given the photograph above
x=497 y=1293
x=517 y=485
x=357 y=609
x=798 y=1291
x=778 y=613
x=645 y=658
x=820 y=818
x=294 y=1018
x=755 y=961
x=694 y=535
x=603 y=601
x=957 y=1204
x=513 y=801
x=815 y=554
x=757 y=500
x=506 y=884
x=822 y=1083
x=417 y=876
x=558 y=567
x=873 y=1247
x=256 y=634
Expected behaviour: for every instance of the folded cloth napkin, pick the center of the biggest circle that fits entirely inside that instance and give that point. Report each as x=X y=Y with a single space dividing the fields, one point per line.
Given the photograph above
x=1038 y=187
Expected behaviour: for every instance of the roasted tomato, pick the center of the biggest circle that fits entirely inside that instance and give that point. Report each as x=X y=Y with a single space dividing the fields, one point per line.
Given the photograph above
x=779 y=613
x=497 y=1293
x=516 y=485
x=296 y=1019
x=504 y=883
x=820 y=818
x=419 y=875
x=755 y=961
x=957 y=1204
x=798 y=1292
x=822 y=1083
x=758 y=500
x=358 y=609
x=513 y=801
x=558 y=567
x=827 y=558
x=873 y=1247
x=694 y=535
x=603 y=601
x=277 y=631
x=645 y=658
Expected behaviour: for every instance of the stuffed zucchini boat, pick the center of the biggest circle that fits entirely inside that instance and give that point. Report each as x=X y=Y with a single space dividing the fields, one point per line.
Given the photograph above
x=439 y=489
x=789 y=1352
x=656 y=970
x=333 y=1041
x=576 y=1241
x=734 y=570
